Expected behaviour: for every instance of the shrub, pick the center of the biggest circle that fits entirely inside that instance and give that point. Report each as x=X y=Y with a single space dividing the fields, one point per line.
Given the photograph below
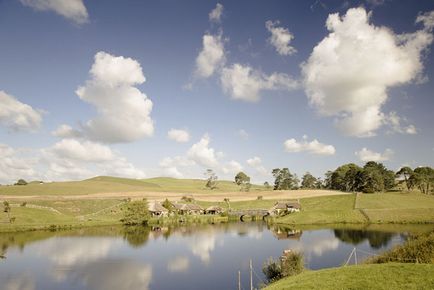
x=24 y=203
x=21 y=182
x=187 y=198
x=259 y=197
x=135 y=213
x=290 y=264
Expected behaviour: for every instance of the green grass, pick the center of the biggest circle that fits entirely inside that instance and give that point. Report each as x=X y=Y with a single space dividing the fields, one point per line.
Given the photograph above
x=381 y=276
x=107 y=184
x=371 y=208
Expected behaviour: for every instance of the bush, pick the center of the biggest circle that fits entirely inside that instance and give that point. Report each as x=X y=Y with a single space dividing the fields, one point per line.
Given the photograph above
x=290 y=264
x=21 y=182
x=187 y=198
x=24 y=203
x=259 y=197
x=135 y=213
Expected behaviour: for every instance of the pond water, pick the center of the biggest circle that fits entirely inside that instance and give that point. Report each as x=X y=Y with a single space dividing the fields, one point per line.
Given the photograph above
x=190 y=257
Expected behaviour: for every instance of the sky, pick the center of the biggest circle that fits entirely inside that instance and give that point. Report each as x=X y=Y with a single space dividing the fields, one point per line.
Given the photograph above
x=171 y=88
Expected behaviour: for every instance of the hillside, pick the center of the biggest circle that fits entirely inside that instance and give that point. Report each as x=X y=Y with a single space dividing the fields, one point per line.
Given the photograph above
x=108 y=184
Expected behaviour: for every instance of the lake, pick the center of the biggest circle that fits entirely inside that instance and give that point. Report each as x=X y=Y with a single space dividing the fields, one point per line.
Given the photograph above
x=188 y=257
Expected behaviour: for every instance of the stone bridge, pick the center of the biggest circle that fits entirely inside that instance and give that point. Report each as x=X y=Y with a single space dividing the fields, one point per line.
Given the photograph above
x=249 y=212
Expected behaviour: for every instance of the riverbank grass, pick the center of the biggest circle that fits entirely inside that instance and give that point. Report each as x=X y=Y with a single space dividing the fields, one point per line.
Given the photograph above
x=363 y=277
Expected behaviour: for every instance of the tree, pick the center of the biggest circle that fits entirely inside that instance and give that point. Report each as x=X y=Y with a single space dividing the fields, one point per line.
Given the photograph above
x=167 y=205
x=211 y=181
x=308 y=181
x=376 y=178
x=345 y=177
x=267 y=185
x=328 y=179
x=7 y=209
x=423 y=178
x=21 y=182
x=135 y=213
x=283 y=179
x=243 y=181
x=405 y=172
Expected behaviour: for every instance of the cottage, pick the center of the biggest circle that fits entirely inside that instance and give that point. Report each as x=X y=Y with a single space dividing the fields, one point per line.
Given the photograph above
x=293 y=206
x=157 y=210
x=214 y=210
x=183 y=208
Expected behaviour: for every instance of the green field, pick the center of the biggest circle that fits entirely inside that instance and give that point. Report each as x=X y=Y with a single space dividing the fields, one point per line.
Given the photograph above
x=378 y=276
x=106 y=184
x=368 y=208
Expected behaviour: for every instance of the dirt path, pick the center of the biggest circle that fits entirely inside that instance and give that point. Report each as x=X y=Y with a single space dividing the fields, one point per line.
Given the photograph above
x=208 y=196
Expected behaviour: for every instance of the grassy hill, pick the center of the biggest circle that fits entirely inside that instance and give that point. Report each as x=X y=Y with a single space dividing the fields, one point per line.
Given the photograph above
x=106 y=184
x=380 y=276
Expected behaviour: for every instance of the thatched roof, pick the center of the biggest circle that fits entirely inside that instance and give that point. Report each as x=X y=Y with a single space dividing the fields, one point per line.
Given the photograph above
x=192 y=206
x=156 y=207
x=214 y=208
x=296 y=205
x=285 y=205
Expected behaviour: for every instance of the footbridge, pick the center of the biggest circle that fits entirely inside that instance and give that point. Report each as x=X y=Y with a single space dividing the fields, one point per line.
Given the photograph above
x=241 y=213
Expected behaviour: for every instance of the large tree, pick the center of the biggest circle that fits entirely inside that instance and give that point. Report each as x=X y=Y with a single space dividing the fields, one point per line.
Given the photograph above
x=308 y=181
x=405 y=172
x=243 y=180
x=423 y=178
x=211 y=179
x=283 y=179
x=135 y=213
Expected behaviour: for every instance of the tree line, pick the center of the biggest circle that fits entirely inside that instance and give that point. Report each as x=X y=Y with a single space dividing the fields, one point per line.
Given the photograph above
x=372 y=177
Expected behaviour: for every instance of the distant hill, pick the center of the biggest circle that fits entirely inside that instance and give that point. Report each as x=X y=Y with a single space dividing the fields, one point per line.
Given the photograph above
x=106 y=184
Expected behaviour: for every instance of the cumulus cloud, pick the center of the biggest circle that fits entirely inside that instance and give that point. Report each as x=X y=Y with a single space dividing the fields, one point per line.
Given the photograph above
x=313 y=147
x=83 y=151
x=18 y=116
x=123 y=110
x=256 y=163
x=13 y=165
x=212 y=56
x=71 y=9
x=243 y=134
x=366 y=155
x=280 y=38
x=178 y=135
x=242 y=82
x=349 y=72
x=232 y=167
x=216 y=14
x=427 y=19
x=170 y=165
x=395 y=122
x=66 y=131
x=203 y=154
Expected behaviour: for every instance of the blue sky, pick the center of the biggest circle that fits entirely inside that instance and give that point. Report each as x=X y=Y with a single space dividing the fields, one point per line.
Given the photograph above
x=171 y=88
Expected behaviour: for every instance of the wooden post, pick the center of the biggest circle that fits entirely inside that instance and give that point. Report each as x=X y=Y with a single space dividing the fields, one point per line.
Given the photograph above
x=251 y=277
x=239 y=280
x=355 y=255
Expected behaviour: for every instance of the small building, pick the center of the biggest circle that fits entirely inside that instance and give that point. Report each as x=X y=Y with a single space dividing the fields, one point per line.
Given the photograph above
x=187 y=208
x=293 y=206
x=157 y=210
x=214 y=210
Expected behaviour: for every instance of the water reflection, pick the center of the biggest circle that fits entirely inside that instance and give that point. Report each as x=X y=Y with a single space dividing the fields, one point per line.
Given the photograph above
x=166 y=257
x=376 y=239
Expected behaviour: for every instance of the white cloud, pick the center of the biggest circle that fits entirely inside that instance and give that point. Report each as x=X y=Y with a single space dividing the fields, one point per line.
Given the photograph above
x=313 y=147
x=212 y=56
x=242 y=82
x=427 y=19
x=243 y=134
x=394 y=121
x=232 y=167
x=18 y=116
x=71 y=9
x=66 y=131
x=178 y=135
x=349 y=71
x=83 y=151
x=14 y=166
x=123 y=110
x=202 y=246
x=256 y=163
x=179 y=264
x=216 y=14
x=280 y=38
x=202 y=154
x=368 y=155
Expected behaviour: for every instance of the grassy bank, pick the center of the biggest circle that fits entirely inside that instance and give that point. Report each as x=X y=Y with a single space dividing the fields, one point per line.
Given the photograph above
x=373 y=276
x=364 y=208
